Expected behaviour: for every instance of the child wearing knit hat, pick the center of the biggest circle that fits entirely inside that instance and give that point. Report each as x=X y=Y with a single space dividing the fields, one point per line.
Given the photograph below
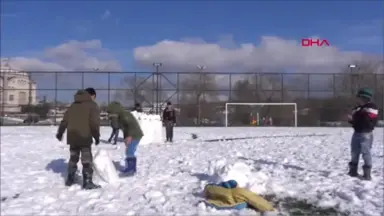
x=363 y=120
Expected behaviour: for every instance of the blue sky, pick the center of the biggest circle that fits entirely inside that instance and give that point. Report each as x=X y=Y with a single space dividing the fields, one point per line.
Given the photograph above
x=34 y=25
x=29 y=27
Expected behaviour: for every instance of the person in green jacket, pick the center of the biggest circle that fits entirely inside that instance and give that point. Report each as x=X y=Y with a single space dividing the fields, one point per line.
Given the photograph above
x=114 y=122
x=132 y=134
x=82 y=123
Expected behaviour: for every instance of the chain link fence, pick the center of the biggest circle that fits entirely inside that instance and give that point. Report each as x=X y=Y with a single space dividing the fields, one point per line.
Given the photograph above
x=41 y=98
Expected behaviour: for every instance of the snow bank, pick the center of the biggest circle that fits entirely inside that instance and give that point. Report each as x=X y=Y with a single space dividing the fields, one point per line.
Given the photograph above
x=222 y=171
x=151 y=126
x=332 y=190
x=258 y=182
x=104 y=169
x=170 y=180
x=11 y=119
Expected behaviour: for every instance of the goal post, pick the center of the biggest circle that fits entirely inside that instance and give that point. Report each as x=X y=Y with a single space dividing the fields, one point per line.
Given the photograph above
x=293 y=105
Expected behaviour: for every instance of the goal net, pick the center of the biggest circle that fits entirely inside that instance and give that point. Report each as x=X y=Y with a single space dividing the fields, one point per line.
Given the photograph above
x=261 y=114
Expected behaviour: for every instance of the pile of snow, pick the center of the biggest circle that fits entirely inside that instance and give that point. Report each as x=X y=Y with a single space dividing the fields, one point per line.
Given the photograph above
x=256 y=181
x=11 y=120
x=151 y=126
x=105 y=171
x=222 y=171
x=325 y=190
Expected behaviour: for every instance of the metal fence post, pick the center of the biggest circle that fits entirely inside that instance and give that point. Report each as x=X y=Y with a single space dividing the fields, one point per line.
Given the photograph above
x=334 y=84
x=178 y=89
x=308 y=85
x=56 y=88
x=230 y=87
x=282 y=87
x=29 y=89
x=82 y=80
x=109 y=87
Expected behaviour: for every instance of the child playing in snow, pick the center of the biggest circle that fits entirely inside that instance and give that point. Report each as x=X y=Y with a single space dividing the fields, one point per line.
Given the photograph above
x=132 y=134
x=363 y=120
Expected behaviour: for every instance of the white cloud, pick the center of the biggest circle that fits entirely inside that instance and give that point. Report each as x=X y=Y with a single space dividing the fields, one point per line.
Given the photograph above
x=106 y=15
x=70 y=56
x=272 y=53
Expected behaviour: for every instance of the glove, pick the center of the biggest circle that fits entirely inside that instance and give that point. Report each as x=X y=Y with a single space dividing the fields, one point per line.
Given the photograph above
x=59 y=137
x=97 y=141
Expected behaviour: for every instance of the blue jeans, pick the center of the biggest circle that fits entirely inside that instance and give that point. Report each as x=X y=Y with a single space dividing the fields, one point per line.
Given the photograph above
x=131 y=148
x=361 y=144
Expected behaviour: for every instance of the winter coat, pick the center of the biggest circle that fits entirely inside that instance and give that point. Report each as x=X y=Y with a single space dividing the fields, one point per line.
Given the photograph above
x=364 y=118
x=81 y=120
x=137 y=109
x=227 y=195
x=127 y=122
x=114 y=120
x=169 y=115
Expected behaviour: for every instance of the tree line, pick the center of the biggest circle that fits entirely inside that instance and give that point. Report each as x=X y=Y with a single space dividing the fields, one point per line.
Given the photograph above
x=200 y=97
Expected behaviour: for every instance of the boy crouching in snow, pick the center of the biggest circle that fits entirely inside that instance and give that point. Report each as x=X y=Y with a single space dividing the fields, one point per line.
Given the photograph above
x=363 y=119
x=132 y=134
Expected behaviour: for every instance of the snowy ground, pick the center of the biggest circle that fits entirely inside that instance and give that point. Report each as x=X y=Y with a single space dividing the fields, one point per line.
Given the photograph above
x=301 y=163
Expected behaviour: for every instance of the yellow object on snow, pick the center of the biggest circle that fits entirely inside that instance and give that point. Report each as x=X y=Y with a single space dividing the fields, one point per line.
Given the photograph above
x=222 y=197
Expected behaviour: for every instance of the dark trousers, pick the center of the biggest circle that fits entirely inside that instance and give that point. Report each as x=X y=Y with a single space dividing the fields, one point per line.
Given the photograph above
x=115 y=133
x=169 y=130
x=83 y=152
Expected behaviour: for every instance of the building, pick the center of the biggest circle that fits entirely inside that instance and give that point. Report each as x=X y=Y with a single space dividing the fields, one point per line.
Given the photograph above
x=16 y=89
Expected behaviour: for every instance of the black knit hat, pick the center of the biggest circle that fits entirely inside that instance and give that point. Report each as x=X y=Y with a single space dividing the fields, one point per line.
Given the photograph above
x=365 y=93
x=169 y=103
x=91 y=91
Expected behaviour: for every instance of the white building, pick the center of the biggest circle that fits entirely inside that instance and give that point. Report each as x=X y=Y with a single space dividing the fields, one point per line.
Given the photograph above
x=16 y=89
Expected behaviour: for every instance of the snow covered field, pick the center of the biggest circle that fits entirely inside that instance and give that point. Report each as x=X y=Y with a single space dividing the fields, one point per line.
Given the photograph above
x=308 y=164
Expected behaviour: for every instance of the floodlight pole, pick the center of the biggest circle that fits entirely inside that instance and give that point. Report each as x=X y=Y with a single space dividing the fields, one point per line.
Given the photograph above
x=351 y=68
x=157 y=65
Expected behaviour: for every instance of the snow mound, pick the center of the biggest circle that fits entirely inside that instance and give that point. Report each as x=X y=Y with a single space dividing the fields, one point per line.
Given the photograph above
x=222 y=171
x=105 y=171
x=152 y=127
x=256 y=181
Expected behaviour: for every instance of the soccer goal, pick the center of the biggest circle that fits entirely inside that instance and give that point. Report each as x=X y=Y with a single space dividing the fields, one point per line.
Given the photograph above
x=261 y=114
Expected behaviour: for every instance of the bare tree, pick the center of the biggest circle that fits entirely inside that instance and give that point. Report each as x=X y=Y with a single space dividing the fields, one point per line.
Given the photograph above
x=198 y=89
x=260 y=88
x=345 y=85
x=139 y=89
x=357 y=75
x=243 y=92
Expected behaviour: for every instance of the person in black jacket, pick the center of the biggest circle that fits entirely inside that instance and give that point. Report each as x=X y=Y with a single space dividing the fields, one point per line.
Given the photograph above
x=363 y=119
x=137 y=108
x=169 y=120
